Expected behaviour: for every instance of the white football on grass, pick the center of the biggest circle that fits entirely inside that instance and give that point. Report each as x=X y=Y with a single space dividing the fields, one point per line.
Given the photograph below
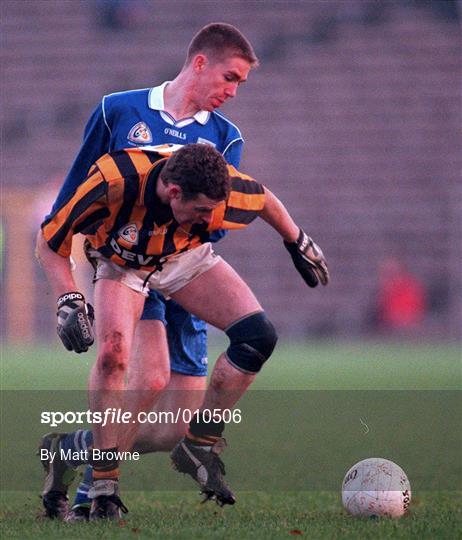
x=376 y=487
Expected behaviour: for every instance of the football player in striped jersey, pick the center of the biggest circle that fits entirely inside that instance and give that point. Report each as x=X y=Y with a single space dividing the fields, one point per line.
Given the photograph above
x=128 y=195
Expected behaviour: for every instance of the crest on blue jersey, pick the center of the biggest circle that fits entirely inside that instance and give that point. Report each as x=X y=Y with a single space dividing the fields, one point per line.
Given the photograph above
x=129 y=233
x=140 y=134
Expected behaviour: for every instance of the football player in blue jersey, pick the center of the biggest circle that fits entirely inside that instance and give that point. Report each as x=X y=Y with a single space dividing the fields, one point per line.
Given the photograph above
x=180 y=111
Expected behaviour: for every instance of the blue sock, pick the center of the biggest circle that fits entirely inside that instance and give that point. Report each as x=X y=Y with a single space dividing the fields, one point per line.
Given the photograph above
x=81 y=497
x=77 y=445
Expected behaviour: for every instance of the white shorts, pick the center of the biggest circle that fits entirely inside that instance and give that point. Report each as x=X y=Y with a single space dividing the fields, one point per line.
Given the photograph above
x=177 y=272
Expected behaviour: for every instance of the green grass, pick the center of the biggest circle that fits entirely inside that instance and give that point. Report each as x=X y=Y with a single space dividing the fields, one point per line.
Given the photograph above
x=315 y=366
x=300 y=432
x=257 y=515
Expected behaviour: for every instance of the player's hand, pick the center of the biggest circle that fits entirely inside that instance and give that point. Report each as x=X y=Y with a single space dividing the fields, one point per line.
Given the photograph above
x=308 y=260
x=75 y=321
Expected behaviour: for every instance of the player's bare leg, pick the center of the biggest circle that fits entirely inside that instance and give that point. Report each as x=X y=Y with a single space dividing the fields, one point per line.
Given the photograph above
x=184 y=393
x=115 y=327
x=148 y=375
x=222 y=298
x=149 y=371
x=118 y=310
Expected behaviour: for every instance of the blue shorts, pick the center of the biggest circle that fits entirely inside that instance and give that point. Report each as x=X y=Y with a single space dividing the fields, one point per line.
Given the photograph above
x=187 y=335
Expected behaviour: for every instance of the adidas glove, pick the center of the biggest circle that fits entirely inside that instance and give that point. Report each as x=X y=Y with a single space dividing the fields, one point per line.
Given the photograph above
x=75 y=320
x=308 y=260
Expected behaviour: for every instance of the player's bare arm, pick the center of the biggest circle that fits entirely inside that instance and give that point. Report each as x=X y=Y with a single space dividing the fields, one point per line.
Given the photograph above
x=75 y=316
x=276 y=215
x=306 y=255
x=57 y=268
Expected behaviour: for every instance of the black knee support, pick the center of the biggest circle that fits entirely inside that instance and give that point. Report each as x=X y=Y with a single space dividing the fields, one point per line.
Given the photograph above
x=252 y=341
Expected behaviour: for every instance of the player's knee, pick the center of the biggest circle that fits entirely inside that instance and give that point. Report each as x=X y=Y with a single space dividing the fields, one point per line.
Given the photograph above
x=156 y=381
x=253 y=339
x=113 y=356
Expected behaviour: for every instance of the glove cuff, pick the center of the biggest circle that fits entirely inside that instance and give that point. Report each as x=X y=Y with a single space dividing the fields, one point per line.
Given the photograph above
x=70 y=297
x=296 y=245
x=303 y=241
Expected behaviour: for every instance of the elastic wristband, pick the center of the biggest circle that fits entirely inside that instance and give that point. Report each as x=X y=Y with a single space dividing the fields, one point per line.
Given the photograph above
x=70 y=296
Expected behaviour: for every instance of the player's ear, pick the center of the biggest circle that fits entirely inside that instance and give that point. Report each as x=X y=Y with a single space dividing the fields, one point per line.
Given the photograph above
x=174 y=192
x=199 y=62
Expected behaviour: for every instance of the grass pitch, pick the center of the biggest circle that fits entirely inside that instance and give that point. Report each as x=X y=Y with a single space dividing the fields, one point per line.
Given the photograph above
x=426 y=378
x=256 y=515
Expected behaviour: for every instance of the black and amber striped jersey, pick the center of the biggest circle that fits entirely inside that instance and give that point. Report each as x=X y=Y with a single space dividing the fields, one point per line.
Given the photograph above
x=118 y=210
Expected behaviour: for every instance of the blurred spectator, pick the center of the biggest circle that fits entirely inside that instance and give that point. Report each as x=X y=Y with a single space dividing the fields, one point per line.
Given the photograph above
x=110 y=14
x=114 y=15
x=401 y=300
x=447 y=9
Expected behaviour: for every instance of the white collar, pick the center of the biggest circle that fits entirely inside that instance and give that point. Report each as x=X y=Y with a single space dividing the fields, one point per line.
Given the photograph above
x=156 y=102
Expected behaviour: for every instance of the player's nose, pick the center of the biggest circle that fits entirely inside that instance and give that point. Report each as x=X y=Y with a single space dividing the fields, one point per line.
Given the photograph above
x=231 y=90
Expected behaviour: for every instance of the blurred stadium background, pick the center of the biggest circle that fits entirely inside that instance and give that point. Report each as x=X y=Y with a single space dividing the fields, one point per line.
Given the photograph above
x=352 y=119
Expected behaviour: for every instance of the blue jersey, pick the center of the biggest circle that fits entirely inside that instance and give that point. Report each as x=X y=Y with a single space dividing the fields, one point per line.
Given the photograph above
x=137 y=118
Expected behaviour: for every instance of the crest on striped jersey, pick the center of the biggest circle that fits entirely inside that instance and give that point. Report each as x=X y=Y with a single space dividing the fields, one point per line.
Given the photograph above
x=129 y=233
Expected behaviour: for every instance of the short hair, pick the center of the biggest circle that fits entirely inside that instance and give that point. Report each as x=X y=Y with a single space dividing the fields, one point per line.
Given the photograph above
x=222 y=39
x=198 y=169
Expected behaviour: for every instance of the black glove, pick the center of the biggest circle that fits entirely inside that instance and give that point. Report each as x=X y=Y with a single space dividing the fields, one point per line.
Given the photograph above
x=308 y=260
x=75 y=320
